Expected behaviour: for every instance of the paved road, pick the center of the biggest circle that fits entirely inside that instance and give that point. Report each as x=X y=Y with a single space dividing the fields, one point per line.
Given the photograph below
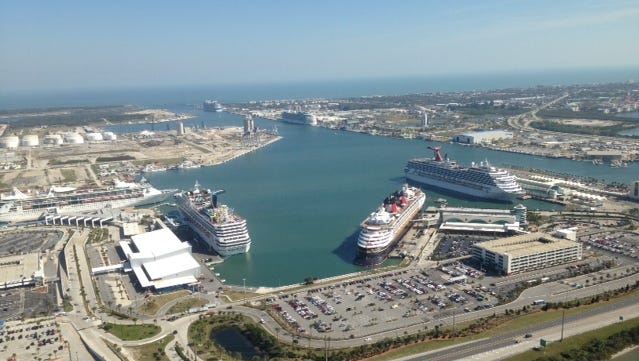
x=550 y=331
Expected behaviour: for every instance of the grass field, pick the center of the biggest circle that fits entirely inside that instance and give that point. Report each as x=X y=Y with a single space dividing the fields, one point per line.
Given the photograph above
x=186 y=305
x=154 y=303
x=152 y=351
x=132 y=332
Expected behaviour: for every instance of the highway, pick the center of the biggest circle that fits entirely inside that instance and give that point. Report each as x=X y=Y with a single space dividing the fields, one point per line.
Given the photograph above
x=489 y=349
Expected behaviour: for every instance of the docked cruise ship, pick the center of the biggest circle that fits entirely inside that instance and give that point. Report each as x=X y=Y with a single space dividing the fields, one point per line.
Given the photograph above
x=212 y=106
x=299 y=118
x=480 y=181
x=20 y=207
x=383 y=228
x=216 y=224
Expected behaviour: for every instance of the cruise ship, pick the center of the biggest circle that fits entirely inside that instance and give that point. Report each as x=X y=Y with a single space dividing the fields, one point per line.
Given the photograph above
x=212 y=106
x=299 y=118
x=19 y=207
x=216 y=224
x=383 y=228
x=480 y=181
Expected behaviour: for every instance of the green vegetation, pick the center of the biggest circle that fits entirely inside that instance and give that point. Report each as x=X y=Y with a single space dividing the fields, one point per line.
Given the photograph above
x=153 y=351
x=132 y=332
x=75 y=116
x=584 y=114
x=116 y=158
x=68 y=175
x=185 y=305
x=599 y=344
x=66 y=304
x=265 y=345
x=3 y=185
x=554 y=126
x=154 y=303
x=98 y=235
x=68 y=161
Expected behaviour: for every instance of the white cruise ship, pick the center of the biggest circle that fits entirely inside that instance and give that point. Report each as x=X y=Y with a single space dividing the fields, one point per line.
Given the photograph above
x=480 y=181
x=216 y=224
x=383 y=228
x=19 y=207
x=299 y=118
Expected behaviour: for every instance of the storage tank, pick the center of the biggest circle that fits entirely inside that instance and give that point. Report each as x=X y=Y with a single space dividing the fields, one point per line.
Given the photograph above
x=109 y=136
x=73 y=138
x=10 y=142
x=94 y=137
x=30 y=140
x=55 y=139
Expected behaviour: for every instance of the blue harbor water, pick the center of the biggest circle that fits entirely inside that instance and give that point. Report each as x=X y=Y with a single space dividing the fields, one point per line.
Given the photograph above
x=304 y=196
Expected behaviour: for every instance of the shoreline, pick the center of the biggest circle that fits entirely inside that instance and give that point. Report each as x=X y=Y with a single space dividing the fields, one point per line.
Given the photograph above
x=373 y=132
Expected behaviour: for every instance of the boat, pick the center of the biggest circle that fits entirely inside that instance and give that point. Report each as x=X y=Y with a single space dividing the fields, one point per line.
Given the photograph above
x=383 y=228
x=188 y=164
x=212 y=106
x=19 y=207
x=153 y=168
x=479 y=181
x=216 y=224
x=299 y=118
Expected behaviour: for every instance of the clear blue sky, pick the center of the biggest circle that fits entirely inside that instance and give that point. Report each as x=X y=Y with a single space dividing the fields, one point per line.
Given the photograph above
x=92 y=44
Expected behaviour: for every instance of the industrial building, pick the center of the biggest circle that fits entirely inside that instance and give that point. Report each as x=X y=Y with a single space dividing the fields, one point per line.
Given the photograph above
x=525 y=252
x=160 y=261
x=482 y=137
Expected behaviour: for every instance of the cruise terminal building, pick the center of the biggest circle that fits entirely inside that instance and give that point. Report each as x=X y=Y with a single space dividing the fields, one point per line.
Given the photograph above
x=525 y=252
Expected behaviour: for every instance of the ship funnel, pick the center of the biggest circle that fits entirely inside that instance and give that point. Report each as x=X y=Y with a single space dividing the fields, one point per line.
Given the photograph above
x=437 y=153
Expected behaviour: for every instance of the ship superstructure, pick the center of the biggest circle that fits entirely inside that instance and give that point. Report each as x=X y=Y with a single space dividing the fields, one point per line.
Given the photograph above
x=299 y=118
x=223 y=231
x=480 y=181
x=383 y=228
x=212 y=106
x=20 y=207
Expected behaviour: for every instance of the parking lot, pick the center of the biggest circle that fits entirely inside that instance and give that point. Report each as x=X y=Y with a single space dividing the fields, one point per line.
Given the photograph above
x=457 y=245
x=27 y=241
x=33 y=341
x=363 y=306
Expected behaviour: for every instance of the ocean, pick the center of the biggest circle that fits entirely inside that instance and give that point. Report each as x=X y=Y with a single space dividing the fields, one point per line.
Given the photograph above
x=192 y=95
x=305 y=196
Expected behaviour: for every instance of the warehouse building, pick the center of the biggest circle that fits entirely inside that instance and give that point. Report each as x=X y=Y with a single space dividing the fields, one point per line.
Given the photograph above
x=482 y=137
x=160 y=261
x=525 y=252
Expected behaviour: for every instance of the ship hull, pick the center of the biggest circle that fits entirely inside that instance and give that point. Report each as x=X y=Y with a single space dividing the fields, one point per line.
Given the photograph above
x=226 y=239
x=377 y=254
x=487 y=193
x=26 y=215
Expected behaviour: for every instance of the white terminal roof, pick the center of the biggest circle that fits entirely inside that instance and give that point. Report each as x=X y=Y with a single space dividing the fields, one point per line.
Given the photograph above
x=161 y=260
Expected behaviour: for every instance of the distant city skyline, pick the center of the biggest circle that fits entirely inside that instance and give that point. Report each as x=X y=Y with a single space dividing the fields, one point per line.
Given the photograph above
x=75 y=45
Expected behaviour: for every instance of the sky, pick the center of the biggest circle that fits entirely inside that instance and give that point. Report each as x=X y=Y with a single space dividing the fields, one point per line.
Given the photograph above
x=48 y=45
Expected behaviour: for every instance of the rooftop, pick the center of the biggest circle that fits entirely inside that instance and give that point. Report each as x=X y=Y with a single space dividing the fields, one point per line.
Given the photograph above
x=14 y=268
x=526 y=244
